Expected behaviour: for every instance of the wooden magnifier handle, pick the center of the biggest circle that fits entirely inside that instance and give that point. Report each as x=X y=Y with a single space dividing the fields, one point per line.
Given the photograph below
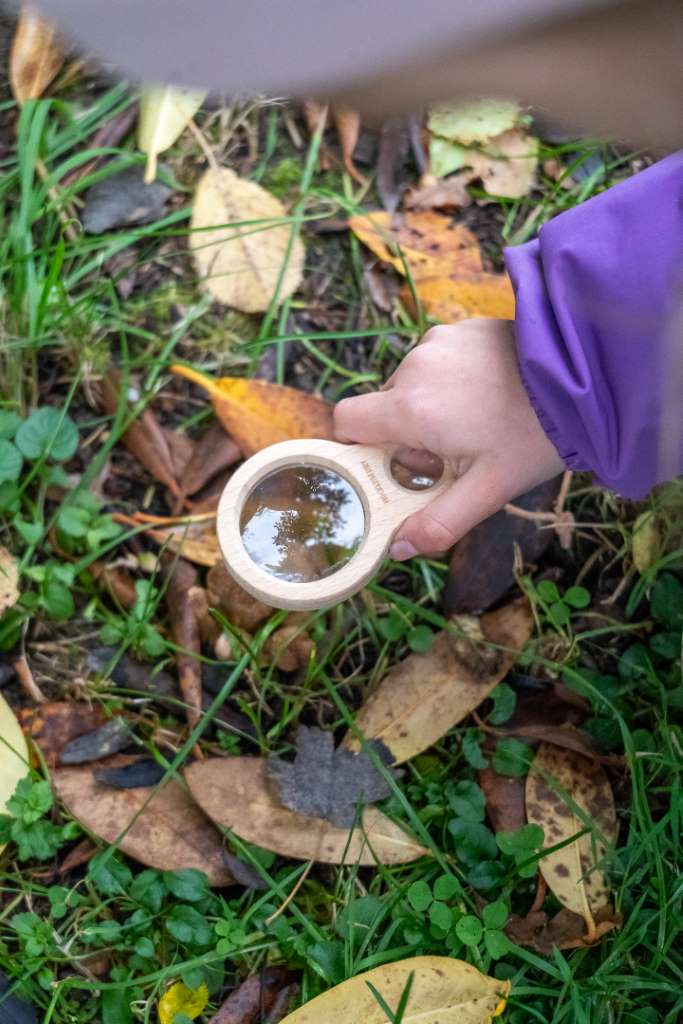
x=386 y=504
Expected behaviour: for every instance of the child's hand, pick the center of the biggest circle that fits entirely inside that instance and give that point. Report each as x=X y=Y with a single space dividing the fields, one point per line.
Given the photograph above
x=460 y=396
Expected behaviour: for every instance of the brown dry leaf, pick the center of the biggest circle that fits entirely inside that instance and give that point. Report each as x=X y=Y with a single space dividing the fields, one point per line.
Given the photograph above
x=196 y=542
x=431 y=244
x=504 y=800
x=242 y=243
x=209 y=630
x=566 y=736
x=117 y=581
x=53 y=725
x=314 y=113
x=449 y=299
x=235 y=792
x=240 y=608
x=563 y=931
x=443 y=991
x=36 y=55
x=288 y=648
x=257 y=413
x=570 y=872
x=254 y=999
x=9 y=580
x=507 y=165
x=427 y=694
x=181 y=448
x=185 y=633
x=144 y=439
x=170 y=834
x=347 y=123
x=214 y=452
x=439 y=193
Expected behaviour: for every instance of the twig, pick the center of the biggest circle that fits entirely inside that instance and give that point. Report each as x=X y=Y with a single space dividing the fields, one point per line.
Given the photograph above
x=283 y=906
x=26 y=680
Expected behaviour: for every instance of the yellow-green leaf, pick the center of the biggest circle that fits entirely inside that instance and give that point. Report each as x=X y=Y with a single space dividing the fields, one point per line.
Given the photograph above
x=164 y=113
x=565 y=792
x=181 y=999
x=647 y=541
x=473 y=122
x=443 y=991
x=13 y=754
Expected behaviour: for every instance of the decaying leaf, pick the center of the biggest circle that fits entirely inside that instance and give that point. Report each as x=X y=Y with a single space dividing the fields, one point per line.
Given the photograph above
x=240 y=608
x=181 y=1000
x=242 y=243
x=646 y=543
x=347 y=123
x=255 y=999
x=234 y=792
x=443 y=991
x=327 y=783
x=473 y=122
x=117 y=581
x=9 y=580
x=211 y=454
x=186 y=635
x=506 y=166
x=427 y=694
x=164 y=113
x=14 y=763
x=563 y=931
x=439 y=193
x=393 y=146
x=430 y=243
x=170 y=834
x=504 y=800
x=36 y=55
x=91 y=746
x=14 y=1009
x=257 y=413
x=289 y=648
x=196 y=542
x=54 y=724
x=571 y=873
x=123 y=198
x=448 y=299
x=137 y=774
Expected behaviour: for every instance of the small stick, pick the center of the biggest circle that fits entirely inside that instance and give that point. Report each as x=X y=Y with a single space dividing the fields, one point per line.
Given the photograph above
x=27 y=682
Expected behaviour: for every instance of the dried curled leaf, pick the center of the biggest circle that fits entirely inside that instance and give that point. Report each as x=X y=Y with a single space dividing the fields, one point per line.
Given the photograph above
x=427 y=694
x=13 y=755
x=443 y=991
x=9 y=580
x=36 y=55
x=164 y=113
x=242 y=244
x=257 y=413
x=449 y=299
x=186 y=635
x=558 y=779
x=430 y=243
x=255 y=998
x=347 y=123
x=235 y=793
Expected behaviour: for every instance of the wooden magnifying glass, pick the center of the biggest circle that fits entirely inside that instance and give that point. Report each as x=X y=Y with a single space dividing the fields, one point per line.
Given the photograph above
x=305 y=524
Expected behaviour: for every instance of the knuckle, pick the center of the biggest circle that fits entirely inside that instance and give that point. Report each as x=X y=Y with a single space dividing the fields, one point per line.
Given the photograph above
x=435 y=535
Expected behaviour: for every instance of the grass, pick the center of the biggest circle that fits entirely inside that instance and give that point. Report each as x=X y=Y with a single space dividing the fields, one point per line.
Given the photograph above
x=105 y=941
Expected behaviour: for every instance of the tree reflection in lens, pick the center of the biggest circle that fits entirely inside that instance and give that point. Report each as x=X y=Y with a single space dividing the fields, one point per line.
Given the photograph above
x=302 y=523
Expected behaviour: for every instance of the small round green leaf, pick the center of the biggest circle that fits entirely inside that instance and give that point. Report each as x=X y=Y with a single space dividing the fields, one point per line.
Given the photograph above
x=446 y=887
x=469 y=930
x=419 y=896
x=441 y=916
x=11 y=461
x=497 y=944
x=577 y=597
x=47 y=431
x=495 y=914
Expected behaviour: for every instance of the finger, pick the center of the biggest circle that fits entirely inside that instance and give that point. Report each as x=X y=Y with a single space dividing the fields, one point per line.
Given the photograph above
x=473 y=497
x=367 y=418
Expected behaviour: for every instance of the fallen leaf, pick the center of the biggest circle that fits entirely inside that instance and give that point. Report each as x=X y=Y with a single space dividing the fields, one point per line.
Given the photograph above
x=563 y=931
x=448 y=299
x=473 y=122
x=14 y=763
x=240 y=608
x=566 y=736
x=13 y=1009
x=481 y=569
x=9 y=580
x=209 y=630
x=347 y=123
x=108 y=739
x=257 y=413
x=646 y=543
x=144 y=438
x=145 y=772
x=121 y=199
x=505 y=167
x=196 y=542
x=504 y=800
x=170 y=834
x=439 y=193
x=52 y=725
x=443 y=991
x=394 y=141
x=426 y=694
x=35 y=57
x=253 y=1000
x=212 y=453
x=164 y=113
x=182 y=449
x=242 y=244
x=571 y=872
x=327 y=783
x=186 y=636
x=234 y=792
x=179 y=999
x=430 y=243
x=117 y=581
x=315 y=116
x=288 y=648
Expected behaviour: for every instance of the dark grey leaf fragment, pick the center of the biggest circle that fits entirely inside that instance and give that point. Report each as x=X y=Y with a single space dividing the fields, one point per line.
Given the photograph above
x=137 y=775
x=14 y=1010
x=109 y=739
x=123 y=198
x=327 y=783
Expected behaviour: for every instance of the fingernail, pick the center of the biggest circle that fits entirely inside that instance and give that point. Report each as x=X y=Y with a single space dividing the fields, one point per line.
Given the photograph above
x=401 y=550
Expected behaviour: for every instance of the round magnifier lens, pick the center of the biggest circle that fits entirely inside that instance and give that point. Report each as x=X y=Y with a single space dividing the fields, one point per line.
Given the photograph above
x=302 y=523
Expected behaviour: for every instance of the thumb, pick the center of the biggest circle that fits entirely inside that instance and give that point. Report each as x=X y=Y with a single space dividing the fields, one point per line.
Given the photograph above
x=473 y=497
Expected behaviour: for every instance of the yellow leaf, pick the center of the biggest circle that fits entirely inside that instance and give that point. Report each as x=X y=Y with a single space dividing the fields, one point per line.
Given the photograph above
x=425 y=695
x=645 y=545
x=443 y=991
x=557 y=779
x=13 y=755
x=164 y=113
x=242 y=242
x=448 y=299
x=431 y=244
x=235 y=793
x=36 y=56
x=9 y=580
x=256 y=413
x=180 y=999
x=473 y=122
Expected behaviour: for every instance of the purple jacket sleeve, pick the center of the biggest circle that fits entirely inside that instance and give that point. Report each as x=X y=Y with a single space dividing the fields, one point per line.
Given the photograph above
x=598 y=328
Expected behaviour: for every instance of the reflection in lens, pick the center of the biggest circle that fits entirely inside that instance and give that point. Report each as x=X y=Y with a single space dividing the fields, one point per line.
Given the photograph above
x=302 y=523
